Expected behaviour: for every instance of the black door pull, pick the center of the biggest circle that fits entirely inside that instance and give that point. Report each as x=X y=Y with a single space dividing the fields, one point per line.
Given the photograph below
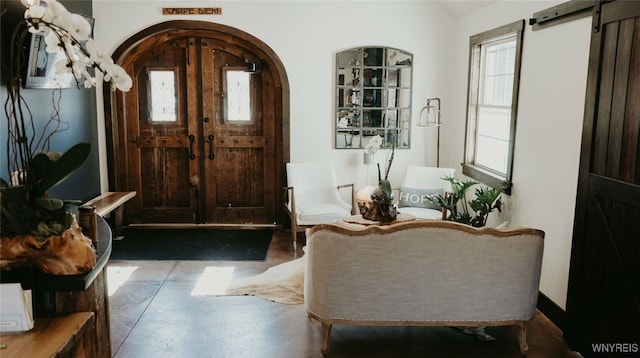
x=211 y=156
x=192 y=140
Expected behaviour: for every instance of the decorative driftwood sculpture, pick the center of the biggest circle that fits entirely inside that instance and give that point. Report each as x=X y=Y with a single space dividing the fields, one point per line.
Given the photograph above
x=381 y=207
x=69 y=254
x=377 y=211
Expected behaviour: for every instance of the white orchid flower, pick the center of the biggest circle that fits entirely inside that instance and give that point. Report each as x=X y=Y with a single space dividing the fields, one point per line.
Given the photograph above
x=59 y=14
x=53 y=9
x=71 y=34
x=30 y=3
x=107 y=69
x=96 y=54
x=54 y=156
x=80 y=28
x=69 y=47
x=36 y=12
x=93 y=50
x=373 y=145
x=79 y=68
x=343 y=123
x=61 y=67
x=89 y=81
x=120 y=79
x=52 y=40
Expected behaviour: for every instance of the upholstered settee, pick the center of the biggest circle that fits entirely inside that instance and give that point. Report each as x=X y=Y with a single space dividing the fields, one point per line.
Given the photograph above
x=422 y=273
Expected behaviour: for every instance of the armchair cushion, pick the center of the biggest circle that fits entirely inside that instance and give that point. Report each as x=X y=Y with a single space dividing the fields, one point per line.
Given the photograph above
x=312 y=213
x=414 y=197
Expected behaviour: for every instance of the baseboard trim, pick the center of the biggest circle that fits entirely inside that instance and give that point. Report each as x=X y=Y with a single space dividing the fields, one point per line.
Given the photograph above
x=550 y=309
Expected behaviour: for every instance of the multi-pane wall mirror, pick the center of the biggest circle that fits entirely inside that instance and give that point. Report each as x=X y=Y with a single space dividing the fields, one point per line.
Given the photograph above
x=373 y=97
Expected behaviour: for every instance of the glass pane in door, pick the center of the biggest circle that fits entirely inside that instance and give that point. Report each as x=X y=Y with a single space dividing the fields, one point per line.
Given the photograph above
x=238 y=96
x=163 y=95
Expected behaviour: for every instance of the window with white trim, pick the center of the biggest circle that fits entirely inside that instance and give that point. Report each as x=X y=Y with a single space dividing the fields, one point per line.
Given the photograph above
x=494 y=76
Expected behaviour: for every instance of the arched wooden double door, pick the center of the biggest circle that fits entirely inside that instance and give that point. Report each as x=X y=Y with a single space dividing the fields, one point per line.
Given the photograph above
x=199 y=136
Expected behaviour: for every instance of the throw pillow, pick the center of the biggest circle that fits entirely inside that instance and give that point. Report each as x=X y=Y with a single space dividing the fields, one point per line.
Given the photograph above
x=417 y=198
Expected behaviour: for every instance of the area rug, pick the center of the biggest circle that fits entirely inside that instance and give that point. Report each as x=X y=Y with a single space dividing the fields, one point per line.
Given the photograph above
x=192 y=244
x=282 y=283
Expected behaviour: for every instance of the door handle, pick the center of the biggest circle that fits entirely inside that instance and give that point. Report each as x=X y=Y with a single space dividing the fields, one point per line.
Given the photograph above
x=192 y=140
x=211 y=155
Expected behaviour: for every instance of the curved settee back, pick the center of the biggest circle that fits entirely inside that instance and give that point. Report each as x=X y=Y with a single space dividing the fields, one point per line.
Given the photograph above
x=422 y=271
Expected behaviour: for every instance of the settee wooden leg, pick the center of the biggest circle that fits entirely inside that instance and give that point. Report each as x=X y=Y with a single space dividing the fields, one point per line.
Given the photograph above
x=326 y=331
x=522 y=338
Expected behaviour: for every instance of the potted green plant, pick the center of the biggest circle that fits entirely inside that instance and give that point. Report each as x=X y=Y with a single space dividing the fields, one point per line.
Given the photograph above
x=472 y=212
x=35 y=227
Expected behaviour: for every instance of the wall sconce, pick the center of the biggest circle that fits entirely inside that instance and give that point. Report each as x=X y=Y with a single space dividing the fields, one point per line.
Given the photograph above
x=430 y=117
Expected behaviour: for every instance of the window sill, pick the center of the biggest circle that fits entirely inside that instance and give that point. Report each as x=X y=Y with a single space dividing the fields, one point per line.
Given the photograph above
x=485 y=177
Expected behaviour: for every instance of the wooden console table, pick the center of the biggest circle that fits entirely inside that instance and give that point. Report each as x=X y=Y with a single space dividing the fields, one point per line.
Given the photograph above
x=66 y=335
x=60 y=295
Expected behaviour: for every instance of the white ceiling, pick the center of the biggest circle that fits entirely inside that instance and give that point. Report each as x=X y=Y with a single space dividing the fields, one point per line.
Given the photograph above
x=463 y=7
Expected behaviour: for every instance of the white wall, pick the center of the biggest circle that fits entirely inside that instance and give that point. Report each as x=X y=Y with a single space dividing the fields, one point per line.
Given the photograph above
x=549 y=128
x=306 y=35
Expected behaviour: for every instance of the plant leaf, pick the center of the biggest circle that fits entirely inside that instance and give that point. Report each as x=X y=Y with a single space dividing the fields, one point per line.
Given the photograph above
x=386 y=188
x=49 y=203
x=59 y=170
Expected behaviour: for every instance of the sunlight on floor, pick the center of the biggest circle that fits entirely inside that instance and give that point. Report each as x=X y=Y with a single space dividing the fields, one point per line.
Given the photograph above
x=213 y=281
x=117 y=276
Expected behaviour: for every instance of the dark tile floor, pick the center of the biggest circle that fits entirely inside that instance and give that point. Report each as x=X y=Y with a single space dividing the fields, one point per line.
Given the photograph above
x=158 y=310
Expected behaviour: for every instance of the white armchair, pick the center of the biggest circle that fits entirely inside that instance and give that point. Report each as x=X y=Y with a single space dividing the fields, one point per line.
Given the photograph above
x=312 y=196
x=420 y=181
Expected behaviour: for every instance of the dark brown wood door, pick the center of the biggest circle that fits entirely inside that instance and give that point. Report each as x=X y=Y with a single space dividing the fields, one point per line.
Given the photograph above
x=162 y=149
x=239 y=145
x=603 y=301
x=199 y=149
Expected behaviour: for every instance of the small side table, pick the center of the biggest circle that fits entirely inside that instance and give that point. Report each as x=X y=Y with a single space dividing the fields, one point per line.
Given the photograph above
x=358 y=219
